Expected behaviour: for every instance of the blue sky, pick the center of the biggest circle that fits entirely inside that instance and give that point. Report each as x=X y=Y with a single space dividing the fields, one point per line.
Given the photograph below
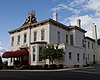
x=14 y=12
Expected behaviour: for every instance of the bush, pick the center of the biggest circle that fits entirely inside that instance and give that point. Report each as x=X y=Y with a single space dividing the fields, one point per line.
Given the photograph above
x=76 y=66
x=60 y=66
x=45 y=66
x=36 y=67
x=1 y=66
x=10 y=67
x=24 y=67
x=54 y=66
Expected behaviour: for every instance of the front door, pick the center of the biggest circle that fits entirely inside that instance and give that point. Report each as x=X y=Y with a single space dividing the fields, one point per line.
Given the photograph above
x=25 y=60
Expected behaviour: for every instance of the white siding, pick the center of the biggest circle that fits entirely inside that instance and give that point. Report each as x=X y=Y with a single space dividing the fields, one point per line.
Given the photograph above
x=79 y=36
x=38 y=30
x=89 y=52
x=53 y=34
x=15 y=46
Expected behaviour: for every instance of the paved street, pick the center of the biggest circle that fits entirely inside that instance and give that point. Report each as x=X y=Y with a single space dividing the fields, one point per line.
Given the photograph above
x=92 y=70
x=81 y=74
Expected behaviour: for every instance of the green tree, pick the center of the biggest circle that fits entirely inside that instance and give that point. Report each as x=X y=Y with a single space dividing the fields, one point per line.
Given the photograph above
x=52 y=53
x=0 y=59
x=98 y=41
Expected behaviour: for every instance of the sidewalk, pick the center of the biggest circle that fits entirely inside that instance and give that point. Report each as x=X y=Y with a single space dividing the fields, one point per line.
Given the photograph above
x=51 y=70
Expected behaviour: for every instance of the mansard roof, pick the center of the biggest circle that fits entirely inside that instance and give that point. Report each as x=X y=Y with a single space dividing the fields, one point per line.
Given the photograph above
x=51 y=21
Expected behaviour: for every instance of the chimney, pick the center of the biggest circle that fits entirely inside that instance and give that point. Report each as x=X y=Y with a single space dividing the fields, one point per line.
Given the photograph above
x=55 y=16
x=94 y=32
x=79 y=23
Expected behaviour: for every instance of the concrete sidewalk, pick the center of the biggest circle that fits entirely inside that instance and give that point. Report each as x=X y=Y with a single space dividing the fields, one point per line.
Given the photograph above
x=66 y=69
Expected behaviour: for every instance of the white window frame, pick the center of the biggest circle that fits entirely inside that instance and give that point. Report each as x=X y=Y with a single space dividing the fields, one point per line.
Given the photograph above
x=12 y=41
x=42 y=34
x=35 y=35
x=18 y=39
x=25 y=37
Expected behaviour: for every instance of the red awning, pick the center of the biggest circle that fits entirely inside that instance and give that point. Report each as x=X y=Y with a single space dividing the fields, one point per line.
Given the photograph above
x=18 y=53
x=7 y=54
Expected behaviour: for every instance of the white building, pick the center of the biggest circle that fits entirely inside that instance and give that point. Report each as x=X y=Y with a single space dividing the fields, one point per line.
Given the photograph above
x=32 y=35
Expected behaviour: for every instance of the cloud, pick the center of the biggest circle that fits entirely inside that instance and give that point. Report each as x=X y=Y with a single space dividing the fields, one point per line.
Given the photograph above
x=79 y=6
x=74 y=6
x=94 y=5
x=56 y=9
x=64 y=6
x=86 y=23
x=76 y=3
x=1 y=48
x=86 y=10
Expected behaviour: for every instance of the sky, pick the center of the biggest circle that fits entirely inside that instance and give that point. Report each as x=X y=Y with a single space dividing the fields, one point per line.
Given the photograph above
x=14 y=12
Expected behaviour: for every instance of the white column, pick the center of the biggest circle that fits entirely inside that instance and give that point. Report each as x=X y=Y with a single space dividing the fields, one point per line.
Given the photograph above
x=37 y=54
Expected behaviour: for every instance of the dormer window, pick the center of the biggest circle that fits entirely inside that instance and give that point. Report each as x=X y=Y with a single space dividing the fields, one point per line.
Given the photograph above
x=42 y=34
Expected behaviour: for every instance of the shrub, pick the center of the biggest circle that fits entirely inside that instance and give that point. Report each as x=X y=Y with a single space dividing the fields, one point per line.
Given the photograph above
x=45 y=66
x=37 y=67
x=54 y=66
x=10 y=67
x=60 y=66
x=1 y=66
x=76 y=66
x=24 y=67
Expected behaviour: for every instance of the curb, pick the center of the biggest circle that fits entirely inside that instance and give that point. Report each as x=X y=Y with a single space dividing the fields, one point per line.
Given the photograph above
x=69 y=69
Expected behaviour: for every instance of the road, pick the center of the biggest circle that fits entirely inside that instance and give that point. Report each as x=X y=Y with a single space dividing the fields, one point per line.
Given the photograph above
x=57 y=75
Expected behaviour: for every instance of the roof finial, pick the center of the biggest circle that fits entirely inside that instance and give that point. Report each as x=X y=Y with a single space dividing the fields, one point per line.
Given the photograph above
x=31 y=18
x=31 y=12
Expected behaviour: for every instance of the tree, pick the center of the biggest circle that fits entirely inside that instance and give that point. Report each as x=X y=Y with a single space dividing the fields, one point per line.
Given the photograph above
x=0 y=59
x=52 y=53
x=98 y=41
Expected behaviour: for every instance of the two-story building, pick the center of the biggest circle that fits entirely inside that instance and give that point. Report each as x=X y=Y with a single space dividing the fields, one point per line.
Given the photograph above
x=27 y=40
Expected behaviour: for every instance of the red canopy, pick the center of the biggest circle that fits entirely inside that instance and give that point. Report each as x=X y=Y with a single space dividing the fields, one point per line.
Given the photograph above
x=18 y=53
x=7 y=54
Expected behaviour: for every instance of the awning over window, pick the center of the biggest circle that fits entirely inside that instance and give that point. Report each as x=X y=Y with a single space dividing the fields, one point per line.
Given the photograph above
x=17 y=53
